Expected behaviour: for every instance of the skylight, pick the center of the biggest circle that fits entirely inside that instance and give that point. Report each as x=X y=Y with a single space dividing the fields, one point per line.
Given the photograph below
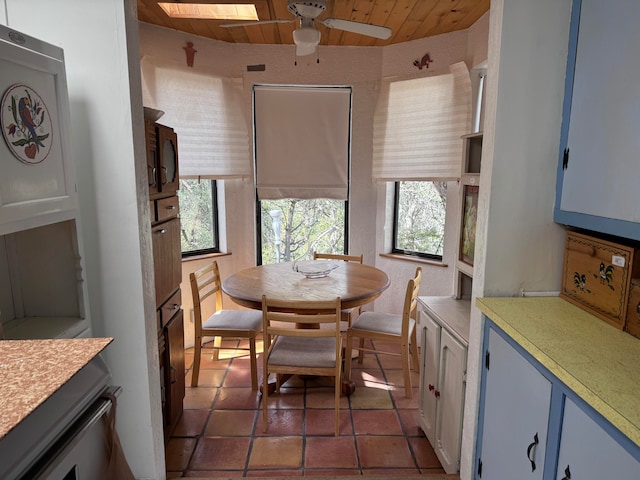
x=223 y=11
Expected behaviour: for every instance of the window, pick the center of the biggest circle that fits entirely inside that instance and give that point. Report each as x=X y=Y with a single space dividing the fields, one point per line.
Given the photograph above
x=420 y=209
x=291 y=230
x=198 y=217
x=302 y=148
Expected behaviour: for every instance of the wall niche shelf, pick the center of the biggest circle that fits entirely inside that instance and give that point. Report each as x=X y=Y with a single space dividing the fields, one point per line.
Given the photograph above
x=469 y=190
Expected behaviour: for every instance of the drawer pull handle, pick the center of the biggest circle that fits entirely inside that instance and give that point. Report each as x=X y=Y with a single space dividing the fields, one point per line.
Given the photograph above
x=171 y=207
x=531 y=447
x=567 y=474
x=176 y=306
x=161 y=231
x=153 y=176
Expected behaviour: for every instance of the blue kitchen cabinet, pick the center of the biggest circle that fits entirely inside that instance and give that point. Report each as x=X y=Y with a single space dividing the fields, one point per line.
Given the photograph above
x=533 y=426
x=599 y=148
x=588 y=452
x=517 y=400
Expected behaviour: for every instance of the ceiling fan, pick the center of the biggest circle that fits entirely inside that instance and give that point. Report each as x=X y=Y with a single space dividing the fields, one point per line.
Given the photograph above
x=307 y=37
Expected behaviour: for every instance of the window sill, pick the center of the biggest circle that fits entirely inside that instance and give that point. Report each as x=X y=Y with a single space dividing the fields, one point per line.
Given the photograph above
x=414 y=259
x=201 y=257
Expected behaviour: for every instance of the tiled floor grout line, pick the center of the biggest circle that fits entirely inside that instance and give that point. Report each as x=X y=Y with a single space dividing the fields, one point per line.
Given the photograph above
x=307 y=388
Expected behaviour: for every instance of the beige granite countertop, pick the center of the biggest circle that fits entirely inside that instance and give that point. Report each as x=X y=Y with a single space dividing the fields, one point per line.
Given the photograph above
x=597 y=361
x=32 y=370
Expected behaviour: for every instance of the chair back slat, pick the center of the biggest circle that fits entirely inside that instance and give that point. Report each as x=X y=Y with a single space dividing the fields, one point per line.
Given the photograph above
x=290 y=327
x=336 y=256
x=411 y=301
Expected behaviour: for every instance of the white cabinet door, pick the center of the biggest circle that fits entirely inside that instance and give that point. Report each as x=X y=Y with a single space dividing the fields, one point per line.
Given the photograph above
x=430 y=352
x=588 y=452
x=602 y=170
x=37 y=184
x=449 y=396
x=516 y=412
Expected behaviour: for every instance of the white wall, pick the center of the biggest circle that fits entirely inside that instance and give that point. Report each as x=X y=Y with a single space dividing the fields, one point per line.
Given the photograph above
x=99 y=38
x=517 y=244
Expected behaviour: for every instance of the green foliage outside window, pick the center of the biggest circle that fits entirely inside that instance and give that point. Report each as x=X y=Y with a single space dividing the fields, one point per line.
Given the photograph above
x=420 y=217
x=304 y=226
x=198 y=225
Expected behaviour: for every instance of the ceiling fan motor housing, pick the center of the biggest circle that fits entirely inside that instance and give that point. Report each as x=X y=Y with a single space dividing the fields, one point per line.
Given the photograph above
x=306 y=9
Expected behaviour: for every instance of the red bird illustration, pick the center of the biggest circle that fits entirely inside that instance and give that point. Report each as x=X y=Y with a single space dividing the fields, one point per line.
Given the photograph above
x=423 y=62
x=25 y=115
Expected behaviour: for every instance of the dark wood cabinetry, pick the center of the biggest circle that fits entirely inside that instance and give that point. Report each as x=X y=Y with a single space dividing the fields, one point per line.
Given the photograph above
x=162 y=170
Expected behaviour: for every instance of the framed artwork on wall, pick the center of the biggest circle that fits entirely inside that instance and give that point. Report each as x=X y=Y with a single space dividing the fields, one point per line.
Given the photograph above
x=469 y=217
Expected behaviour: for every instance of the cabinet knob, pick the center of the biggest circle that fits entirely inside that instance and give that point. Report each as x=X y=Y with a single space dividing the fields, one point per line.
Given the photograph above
x=437 y=393
x=171 y=207
x=567 y=474
x=431 y=387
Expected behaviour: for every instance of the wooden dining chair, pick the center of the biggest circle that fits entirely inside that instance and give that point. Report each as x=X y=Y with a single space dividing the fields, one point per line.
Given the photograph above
x=294 y=345
x=349 y=313
x=399 y=329
x=243 y=324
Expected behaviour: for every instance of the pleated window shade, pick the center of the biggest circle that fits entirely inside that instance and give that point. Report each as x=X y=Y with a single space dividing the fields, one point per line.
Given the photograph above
x=207 y=114
x=302 y=137
x=418 y=124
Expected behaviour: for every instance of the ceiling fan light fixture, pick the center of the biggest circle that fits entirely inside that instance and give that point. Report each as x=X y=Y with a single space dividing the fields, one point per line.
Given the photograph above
x=306 y=40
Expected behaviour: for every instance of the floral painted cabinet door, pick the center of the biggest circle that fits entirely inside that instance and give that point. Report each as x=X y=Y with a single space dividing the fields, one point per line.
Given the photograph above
x=37 y=185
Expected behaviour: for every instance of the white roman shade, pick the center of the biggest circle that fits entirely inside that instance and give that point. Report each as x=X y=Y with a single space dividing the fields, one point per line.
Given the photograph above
x=418 y=124
x=302 y=141
x=206 y=111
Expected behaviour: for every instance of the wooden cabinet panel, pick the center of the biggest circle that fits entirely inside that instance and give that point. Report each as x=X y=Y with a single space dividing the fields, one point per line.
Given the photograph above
x=168 y=207
x=167 y=259
x=162 y=169
x=597 y=276
x=167 y=159
x=174 y=370
x=170 y=308
x=152 y=156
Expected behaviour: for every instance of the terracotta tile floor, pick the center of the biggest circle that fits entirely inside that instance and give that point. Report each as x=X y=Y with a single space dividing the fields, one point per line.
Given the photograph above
x=220 y=432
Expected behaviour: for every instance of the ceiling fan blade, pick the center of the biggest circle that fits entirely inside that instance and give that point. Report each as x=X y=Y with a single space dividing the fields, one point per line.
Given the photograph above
x=357 y=27
x=259 y=22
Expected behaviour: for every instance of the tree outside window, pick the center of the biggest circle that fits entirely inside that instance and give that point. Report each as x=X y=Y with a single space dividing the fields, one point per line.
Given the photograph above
x=291 y=230
x=420 y=210
x=198 y=217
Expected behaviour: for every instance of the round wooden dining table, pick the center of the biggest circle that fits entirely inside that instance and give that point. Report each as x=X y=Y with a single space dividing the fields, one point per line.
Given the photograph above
x=356 y=284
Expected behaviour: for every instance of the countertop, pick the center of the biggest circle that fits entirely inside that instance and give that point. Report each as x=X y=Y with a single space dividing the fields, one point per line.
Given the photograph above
x=454 y=313
x=600 y=363
x=32 y=370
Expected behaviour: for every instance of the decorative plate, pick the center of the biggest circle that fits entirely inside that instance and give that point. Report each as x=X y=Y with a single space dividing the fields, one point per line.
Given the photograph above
x=26 y=124
x=315 y=268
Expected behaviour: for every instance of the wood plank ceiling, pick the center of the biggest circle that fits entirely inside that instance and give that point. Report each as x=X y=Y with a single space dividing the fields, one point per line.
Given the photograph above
x=408 y=19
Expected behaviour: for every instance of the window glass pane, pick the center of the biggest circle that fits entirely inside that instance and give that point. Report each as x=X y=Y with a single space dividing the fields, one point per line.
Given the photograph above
x=293 y=229
x=198 y=221
x=420 y=216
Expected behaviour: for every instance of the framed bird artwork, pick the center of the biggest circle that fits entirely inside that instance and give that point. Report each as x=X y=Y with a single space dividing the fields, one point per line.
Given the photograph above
x=26 y=124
